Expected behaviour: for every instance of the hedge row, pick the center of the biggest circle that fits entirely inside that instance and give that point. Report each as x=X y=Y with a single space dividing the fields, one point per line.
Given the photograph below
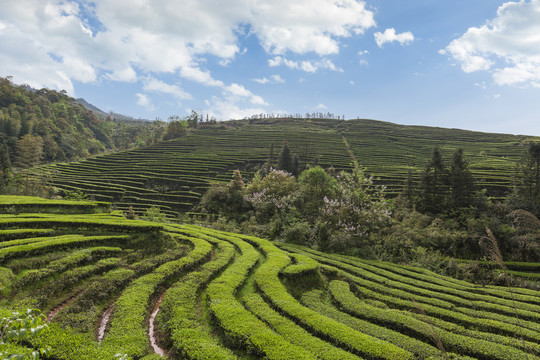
x=521 y=301
x=178 y=311
x=14 y=234
x=459 y=297
x=61 y=242
x=289 y=330
x=314 y=300
x=475 y=321
x=127 y=331
x=361 y=344
x=79 y=222
x=17 y=242
x=392 y=288
x=402 y=322
x=239 y=325
x=73 y=259
x=428 y=276
x=302 y=265
x=68 y=278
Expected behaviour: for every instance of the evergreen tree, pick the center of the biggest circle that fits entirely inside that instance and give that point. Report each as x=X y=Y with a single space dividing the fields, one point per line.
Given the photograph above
x=409 y=193
x=5 y=163
x=525 y=194
x=460 y=181
x=433 y=184
x=286 y=160
x=534 y=152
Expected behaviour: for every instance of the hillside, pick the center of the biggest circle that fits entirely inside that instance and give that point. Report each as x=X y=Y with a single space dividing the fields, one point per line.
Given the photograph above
x=44 y=126
x=110 y=285
x=174 y=174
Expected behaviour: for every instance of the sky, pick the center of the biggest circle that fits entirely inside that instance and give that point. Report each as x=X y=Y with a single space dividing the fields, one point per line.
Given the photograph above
x=471 y=64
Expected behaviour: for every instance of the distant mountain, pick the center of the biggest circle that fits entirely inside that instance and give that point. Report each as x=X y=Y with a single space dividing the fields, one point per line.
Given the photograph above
x=91 y=107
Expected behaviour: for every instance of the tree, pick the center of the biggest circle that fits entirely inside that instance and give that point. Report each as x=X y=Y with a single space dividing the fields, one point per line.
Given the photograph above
x=461 y=182
x=5 y=163
x=192 y=119
x=226 y=199
x=271 y=155
x=409 y=193
x=433 y=184
x=357 y=210
x=175 y=128
x=315 y=185
x=287 y=161
x=525 y=193
x=534 y=152
x=28 y=151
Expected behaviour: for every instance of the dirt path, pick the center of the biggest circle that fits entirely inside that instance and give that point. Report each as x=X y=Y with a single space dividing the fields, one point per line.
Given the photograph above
x=151 y=328
x=59 y=308
x=104 y=321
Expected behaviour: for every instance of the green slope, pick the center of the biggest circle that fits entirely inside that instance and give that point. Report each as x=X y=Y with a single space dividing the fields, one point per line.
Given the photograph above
x=174 y=174
x=98 y=277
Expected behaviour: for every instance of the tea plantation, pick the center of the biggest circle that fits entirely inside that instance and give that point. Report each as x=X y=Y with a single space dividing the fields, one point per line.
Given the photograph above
x=110 y=285
x=174 y=174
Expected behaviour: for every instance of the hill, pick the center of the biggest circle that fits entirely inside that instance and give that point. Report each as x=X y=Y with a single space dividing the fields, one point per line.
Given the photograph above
x=174 y=174
x=110 y=285
x=43 y=126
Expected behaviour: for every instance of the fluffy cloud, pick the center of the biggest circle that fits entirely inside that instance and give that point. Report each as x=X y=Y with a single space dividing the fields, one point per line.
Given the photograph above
x=305 y=65
x=302 y=26
x=155 y=85
x=276 y=79
x=116 y=40
x=390 y=35
x=508 y=45
x=238 y=92
x=225 y=109
x=145 y=102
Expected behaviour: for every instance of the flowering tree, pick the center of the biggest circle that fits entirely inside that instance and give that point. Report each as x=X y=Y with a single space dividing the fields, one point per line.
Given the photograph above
x=273 y=194
x=358 y=208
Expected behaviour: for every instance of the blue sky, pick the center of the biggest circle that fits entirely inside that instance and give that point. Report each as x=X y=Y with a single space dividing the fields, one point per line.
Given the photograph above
x=461 y=64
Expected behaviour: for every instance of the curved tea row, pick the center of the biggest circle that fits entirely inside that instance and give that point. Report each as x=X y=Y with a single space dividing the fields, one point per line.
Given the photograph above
x=98 y=276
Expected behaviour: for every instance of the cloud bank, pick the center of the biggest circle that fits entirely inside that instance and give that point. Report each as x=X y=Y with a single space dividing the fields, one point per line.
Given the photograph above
x=507 y=46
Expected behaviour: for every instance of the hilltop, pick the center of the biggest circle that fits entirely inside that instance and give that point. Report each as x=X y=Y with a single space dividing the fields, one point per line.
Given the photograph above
x=174 y=174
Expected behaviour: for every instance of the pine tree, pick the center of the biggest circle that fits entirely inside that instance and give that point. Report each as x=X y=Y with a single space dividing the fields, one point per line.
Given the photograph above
x=433 y=184
x=409 y=193
x=534 y=152
x=285 y=161
x=460 y=181
x=5 y=163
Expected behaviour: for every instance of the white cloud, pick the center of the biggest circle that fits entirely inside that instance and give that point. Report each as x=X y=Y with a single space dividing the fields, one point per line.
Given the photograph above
x=508 y=46
x=226 y=110
x=390 y=35
x=114 y=40
x=302 y=26
x=153 y=84
x=236 y=92
x=145 y=102
x=274 y=79
x=321 y=107
x=305 y=65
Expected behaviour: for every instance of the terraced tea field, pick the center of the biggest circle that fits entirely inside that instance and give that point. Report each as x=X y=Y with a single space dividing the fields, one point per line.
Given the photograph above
x=110 y=285
x=174 y=174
